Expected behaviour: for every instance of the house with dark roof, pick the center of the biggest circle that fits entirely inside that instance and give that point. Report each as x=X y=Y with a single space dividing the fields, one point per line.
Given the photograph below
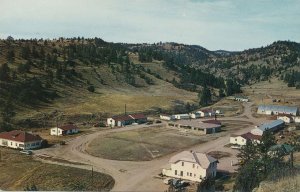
x=190 y=165
x=68 y=129
x=123 y=120
x=20 y=140
x=244 y=138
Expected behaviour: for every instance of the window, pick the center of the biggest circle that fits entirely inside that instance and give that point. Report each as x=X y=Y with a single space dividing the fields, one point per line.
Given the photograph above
x=11 y=143
x=181 y=173
x=235 y=139
x=16 y=144
x=53 y=130
x=175 y=172
x=191 y=174
x=182 y=163
x=194 y=175
x=187 y=173
x=21 y=145
x=193 y=165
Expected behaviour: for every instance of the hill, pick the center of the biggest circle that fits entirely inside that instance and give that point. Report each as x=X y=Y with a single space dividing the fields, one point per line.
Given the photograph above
x=70 y=79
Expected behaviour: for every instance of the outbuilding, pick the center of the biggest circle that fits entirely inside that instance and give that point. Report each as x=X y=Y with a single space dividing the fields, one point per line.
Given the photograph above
x=242 y=139
x=64 y=130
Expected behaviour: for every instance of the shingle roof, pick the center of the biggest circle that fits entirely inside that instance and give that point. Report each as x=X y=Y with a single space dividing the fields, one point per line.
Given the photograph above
x=20 y=136
x=201 y=159
x=278 y=108
x=68 y=127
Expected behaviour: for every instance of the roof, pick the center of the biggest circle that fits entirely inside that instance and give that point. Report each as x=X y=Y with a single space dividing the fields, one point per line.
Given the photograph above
x=250 y=136
x=138 y=116
x=129 y=117
x=285 y=115
x=68 y=127
x=197 y=124
x=278 y=108
x=201 y=159
x=20 y=136
x=212 y=121
x=207 y=111
x=122 y=118
x=240 y=97
x=271 y=125
x=185 y=115
x=283 y=147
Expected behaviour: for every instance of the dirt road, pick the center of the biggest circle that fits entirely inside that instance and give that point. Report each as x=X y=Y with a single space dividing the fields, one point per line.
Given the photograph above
x=139 y=176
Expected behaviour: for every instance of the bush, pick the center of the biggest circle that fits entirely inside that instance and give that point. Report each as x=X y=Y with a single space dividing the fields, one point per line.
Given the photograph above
x=91 y=88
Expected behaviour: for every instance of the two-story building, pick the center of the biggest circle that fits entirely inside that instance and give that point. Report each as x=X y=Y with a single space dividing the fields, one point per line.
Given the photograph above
x=193 y=166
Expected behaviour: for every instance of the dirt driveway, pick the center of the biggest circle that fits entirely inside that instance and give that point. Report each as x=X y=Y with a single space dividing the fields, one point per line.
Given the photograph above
x=140 y=176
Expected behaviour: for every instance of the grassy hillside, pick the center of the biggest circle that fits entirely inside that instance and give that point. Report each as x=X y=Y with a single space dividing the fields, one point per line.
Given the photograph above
x=66 y=78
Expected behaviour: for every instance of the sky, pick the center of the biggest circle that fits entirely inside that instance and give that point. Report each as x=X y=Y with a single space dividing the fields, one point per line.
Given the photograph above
x=232 y=25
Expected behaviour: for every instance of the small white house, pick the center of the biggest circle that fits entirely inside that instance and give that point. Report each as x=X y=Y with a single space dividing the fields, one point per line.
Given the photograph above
x=241 y=98
x=297 y=119
x=285 y=118
x=195 y=115
x=242 y=139
x=182 y=116
x=20 y=140
x=193 y=166
x=206 y=113
x=64 y=130
x=167 y=117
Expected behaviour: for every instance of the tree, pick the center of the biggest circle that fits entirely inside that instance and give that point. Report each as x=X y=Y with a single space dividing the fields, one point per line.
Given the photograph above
x=91 y=88
x=10 y=56
x=4 y=72
x=205 y=96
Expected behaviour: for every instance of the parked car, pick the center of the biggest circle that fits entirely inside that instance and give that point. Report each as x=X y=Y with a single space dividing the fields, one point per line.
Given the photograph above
x=27 y=152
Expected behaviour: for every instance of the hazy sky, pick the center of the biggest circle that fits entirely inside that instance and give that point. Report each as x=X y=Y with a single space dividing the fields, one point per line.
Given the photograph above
x=214 y=24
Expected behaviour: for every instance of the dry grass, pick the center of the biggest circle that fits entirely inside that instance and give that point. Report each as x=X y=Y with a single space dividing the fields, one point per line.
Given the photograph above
x=287 y=184
x=228 y=107
x=140 y=145
x=264 y=92
x=19 y=170
x=219 y=154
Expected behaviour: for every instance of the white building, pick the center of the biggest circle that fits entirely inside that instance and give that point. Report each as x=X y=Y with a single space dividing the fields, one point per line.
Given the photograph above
x=123 y=120
x=191 y=166
x=195 y=115
x=242 y=139
x=206 y=113
x=64 y=130
x=182 y=116
x=167 y=117
x=20 y=140
x=272 y=126
x=297 y=119
x=276 y=110
x=285 y=118
x=241 y=98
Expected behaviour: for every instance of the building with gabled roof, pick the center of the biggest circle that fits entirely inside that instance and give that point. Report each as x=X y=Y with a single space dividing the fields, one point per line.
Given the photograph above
x=277 y=109
x=123 y=120
x=244 y=138
x=285 y=117
x=18 y=139
x=190 y=165
x=64 y=130
x=272 y=127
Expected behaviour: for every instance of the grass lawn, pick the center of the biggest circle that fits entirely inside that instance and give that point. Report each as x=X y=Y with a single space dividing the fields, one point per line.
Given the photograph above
x=19 y=170
x=140 y=145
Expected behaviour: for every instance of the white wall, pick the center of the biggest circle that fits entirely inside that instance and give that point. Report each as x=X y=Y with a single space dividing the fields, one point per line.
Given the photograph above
x=284 y=118
x=56 y=131
x=297 y=119
x=110 y=122
x=20 y=145
x=238 y=140
x=165 y=117
x=190 y=171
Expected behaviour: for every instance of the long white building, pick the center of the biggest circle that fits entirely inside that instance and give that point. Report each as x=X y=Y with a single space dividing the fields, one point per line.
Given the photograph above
x=193 y=166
